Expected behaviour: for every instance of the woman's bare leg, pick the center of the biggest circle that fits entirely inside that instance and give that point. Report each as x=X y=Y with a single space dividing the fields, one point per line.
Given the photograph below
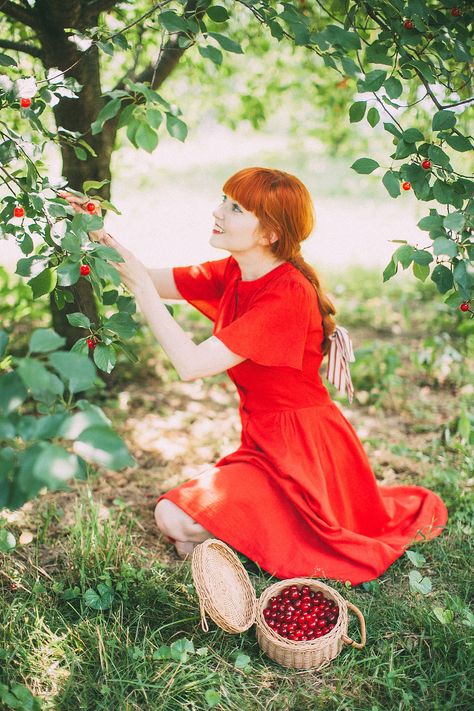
x=179 y=527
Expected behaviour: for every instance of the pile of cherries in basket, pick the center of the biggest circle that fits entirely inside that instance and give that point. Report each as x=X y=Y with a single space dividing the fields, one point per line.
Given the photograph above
x=301 y=614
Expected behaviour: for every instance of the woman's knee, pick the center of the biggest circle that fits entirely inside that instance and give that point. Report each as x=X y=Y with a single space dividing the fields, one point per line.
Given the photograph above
x=168 y=519
x=177 y=524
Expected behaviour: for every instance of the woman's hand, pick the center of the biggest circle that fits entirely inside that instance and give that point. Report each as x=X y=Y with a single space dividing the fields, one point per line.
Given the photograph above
x=79 y=205
x=134 y=274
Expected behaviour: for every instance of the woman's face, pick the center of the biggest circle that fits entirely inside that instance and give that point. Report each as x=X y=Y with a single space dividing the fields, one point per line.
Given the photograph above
x=235 y=229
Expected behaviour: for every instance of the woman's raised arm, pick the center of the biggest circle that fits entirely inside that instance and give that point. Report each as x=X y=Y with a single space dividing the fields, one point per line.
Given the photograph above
x=164 y=282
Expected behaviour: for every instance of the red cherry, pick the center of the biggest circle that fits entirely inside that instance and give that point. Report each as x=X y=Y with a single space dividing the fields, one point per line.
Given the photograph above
x=464 y=306
x=90 y=207
x=408 y=25
x=426 y=164
x=406 y=186
x=25 y=103
x=19 y=211
x=455 y=12
x=85 y=269
x=91 y=344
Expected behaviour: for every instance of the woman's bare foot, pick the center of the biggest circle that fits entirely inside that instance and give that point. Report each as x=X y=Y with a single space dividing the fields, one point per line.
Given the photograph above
x=185 y=548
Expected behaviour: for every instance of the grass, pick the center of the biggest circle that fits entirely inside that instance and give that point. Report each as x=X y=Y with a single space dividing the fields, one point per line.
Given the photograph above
x=146 y=650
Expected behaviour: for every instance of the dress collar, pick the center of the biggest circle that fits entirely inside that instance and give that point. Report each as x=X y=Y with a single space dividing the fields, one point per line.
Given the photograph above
x=245 y=286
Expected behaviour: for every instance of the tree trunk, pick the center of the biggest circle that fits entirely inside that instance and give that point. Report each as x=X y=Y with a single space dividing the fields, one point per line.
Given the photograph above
x=76 y=115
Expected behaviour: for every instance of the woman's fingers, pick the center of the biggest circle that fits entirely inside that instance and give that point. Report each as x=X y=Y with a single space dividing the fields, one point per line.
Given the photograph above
x=79 y=203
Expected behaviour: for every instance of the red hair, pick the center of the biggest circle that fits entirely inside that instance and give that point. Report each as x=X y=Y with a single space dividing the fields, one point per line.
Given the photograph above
x=284 y=206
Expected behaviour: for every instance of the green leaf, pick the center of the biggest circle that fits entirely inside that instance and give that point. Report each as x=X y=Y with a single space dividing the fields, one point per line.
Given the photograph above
x=364 y=165
x=338 y=36
x=437 y=155
x=146 y=137
x=7 y=543
x=412 y=135
x=78 y=320
x=181 y=648
x=121 y=324
x=44 y=340
x=107 y=112
x=464 y=274
x=393 y=87
x=459 y=143
x=43 y=283
x=212 y=698
x=100 y=599
x=443 y=278
x=217 y=13
x=73 y=426
x=418 y=583
x=104 y=357
x=107 y=253
x=242 y=661
x=172 y=22
x=99 y=444
x=373 y=116
x=175 y=127
x=226 y=43
x=3 y=342
x=38 y=379
x=93 y=185
x=390 y=270
x=416 y=558
x=443 y=120
x=372 y=81
x=392 y=183
x=163 y=652
x=404 y=255
x=421 y=256
x=26 y=244
x=443 y=245
x=7 y=61
x=357 y=111
x=454 y=221
x=212 y=53
x=75 y=369
x=55 y=466
x=12 y=393
x=154 y=117
x=80 y=153
x=391 y=128
x=443 y=615
x=430 y=223
x=420 y=271
x=68 y=273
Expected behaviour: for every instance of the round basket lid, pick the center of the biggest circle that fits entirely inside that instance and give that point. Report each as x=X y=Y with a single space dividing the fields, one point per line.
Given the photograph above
x=223 y=587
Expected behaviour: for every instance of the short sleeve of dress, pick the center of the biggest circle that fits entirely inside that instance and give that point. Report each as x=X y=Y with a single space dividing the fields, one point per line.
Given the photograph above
x=274 y=330
x=202 y=285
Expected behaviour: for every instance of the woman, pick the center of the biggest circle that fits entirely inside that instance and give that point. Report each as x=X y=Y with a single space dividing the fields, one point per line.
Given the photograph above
x=298 y=496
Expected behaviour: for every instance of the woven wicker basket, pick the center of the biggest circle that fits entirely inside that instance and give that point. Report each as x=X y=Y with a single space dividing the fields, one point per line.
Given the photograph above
x=227 y=596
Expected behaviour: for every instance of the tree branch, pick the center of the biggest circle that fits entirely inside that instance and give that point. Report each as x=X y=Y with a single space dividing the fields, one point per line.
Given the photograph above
x=19 y=47
x=168 y=57
x=21 y=14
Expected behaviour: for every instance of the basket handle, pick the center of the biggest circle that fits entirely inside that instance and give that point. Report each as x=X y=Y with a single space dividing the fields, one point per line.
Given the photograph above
x=348 y=640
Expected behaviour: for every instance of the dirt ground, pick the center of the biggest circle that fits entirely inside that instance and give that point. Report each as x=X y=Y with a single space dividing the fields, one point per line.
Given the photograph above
x=176 y=430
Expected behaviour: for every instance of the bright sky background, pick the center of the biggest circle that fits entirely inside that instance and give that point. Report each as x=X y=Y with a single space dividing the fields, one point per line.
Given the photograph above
x=167 y=200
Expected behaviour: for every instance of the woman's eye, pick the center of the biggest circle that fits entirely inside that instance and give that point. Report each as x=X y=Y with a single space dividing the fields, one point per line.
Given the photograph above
x=236 y=207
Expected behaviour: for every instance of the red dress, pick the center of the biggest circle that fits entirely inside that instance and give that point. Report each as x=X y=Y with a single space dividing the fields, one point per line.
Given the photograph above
x=298 y=496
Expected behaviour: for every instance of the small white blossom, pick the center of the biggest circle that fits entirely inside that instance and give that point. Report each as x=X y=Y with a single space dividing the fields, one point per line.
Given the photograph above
x=26 y=88
x=5 y=83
